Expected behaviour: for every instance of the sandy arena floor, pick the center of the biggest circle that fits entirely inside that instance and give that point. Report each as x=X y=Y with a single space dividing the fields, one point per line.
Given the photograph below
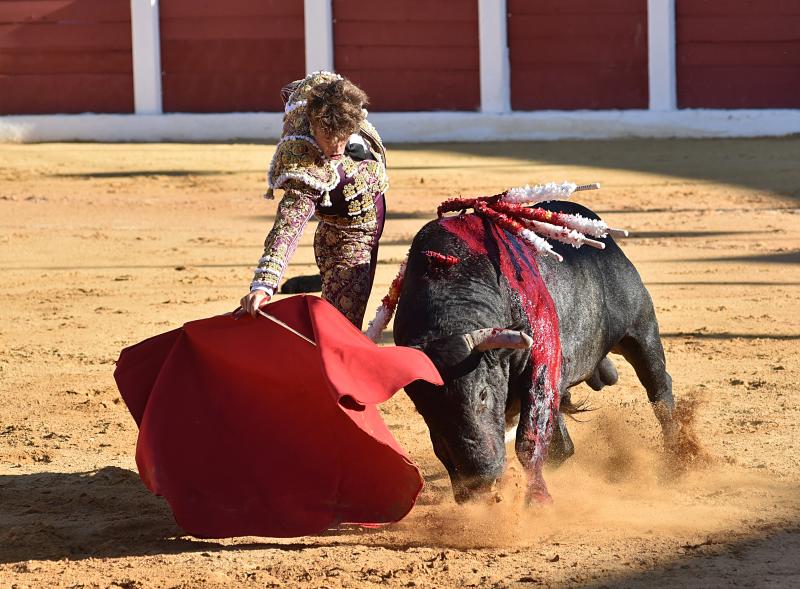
x=104 y=245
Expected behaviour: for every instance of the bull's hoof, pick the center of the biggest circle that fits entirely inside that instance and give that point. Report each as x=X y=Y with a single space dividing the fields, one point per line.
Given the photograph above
x=557 y=455
x=561 y=446
x=537 y=497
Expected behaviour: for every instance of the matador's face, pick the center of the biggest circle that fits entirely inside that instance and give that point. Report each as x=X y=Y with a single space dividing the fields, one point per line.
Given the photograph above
x=332 y=147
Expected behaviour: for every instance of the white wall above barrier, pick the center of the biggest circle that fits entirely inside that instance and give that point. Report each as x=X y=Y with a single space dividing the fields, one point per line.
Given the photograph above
x=421 y=127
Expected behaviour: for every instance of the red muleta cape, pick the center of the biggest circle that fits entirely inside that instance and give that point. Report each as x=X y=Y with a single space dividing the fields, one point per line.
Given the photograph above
x=247 y=429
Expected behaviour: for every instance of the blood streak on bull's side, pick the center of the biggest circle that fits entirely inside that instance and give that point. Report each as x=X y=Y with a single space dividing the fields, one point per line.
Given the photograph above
x=517 y=264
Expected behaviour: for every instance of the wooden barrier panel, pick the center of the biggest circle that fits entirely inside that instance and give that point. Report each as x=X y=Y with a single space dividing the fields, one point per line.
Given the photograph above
x=229 y=55
x=65 y=56
x=738 y=53
x=578 y=54
x=410 y=55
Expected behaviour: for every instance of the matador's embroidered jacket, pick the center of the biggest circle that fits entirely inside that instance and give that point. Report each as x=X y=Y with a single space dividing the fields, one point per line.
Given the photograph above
x=345 y=194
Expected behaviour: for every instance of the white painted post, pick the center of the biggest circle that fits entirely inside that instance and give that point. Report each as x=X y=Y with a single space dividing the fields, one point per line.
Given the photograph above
x=318 y=16
x=494 y=65
x=661 y=55
x=146 y=57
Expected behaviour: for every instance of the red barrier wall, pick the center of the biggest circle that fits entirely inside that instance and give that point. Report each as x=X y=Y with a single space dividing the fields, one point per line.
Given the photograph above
x=578 y=54
x=410 y=55
x=229 y=55
x=738 y=53
x=65 y=56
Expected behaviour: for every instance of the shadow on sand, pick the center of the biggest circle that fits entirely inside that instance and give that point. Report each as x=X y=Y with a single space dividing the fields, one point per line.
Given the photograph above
x=727 y=335
x=766 y=561
x=147 y=174
x=49 y=516
x=109 y=513
x=763 y=164
x=104 y=514
x=777 y=258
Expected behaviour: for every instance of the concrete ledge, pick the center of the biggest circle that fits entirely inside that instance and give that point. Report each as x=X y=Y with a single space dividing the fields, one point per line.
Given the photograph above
x=140 y=128
x=411 y=127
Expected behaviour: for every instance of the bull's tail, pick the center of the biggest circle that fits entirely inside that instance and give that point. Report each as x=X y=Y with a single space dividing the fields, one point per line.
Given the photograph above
x=567 y=407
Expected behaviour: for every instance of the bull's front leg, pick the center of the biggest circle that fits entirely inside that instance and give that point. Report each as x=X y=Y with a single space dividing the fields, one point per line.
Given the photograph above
x=538 y=412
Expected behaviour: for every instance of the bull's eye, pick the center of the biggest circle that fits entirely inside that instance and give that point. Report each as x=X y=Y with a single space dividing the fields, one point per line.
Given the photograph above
x=483 y=396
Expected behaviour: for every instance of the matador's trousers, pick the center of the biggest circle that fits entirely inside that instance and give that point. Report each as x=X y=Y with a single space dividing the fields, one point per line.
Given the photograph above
x=347 y=257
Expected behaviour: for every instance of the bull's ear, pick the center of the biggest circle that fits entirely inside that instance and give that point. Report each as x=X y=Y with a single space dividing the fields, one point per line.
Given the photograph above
x=452 y=355
x=494 y=338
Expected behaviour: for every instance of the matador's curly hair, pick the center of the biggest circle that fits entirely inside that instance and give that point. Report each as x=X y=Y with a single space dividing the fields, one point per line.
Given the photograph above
x=335 y=108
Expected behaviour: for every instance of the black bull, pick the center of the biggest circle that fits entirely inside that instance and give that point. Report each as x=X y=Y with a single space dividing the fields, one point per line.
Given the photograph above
x=602 y=307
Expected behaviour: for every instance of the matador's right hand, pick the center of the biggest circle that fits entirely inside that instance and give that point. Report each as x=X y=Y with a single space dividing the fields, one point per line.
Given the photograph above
x=253 y=301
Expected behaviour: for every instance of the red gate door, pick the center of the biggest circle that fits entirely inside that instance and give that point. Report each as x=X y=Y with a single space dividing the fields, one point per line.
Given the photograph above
x=578 y=54
x=65 y=56
x=229 y=55
x=410 y=55
x=738 y=53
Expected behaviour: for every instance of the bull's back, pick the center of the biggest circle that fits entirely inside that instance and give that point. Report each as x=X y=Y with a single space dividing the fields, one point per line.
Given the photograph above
x=599 y=295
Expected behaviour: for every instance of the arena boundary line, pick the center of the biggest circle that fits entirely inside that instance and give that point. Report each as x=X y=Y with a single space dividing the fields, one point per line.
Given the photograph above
x=418 y=127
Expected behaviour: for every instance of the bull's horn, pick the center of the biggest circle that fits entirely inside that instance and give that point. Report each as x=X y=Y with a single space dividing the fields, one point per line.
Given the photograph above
x=495 y=337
